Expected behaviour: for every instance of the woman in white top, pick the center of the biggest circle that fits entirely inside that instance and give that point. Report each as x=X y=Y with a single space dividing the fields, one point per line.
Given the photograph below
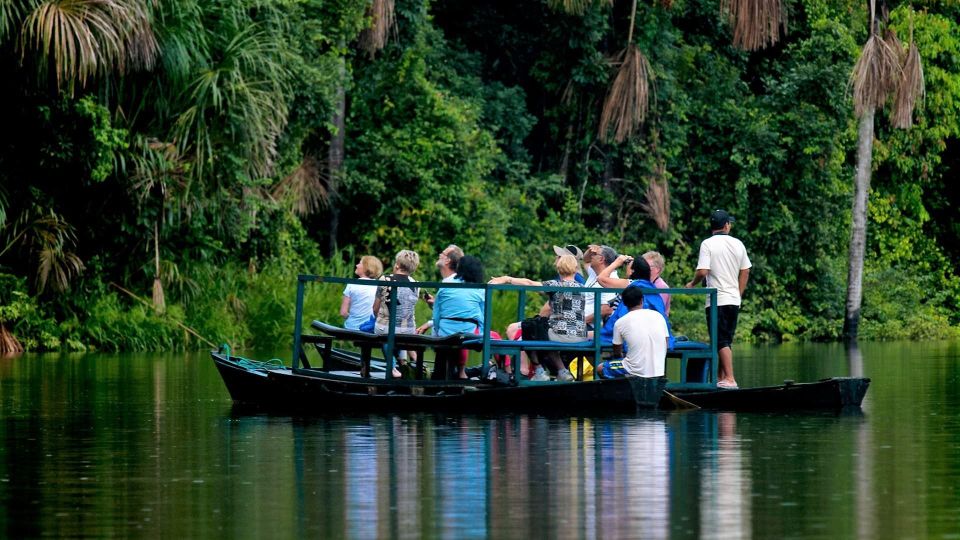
x=357 y=305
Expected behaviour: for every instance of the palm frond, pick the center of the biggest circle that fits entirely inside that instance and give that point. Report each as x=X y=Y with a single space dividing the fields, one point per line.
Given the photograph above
x=375 y=37
x=80 y=39
x=245 y=89
x=11 y=13
x=657 y=204
x=909 y=90
x=875 y=75
x=303 y=189
x=159 y=170
x=756 y=24
x=625 y=107
x=56 y=268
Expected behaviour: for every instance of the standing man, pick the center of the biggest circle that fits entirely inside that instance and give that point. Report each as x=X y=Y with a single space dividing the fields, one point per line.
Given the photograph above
x=723 y=264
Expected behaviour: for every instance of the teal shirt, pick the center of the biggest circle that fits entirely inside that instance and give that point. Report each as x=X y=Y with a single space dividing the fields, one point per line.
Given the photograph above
x=457 y=311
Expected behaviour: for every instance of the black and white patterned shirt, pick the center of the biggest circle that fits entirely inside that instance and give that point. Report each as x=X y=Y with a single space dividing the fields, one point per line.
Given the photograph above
x=566 y=316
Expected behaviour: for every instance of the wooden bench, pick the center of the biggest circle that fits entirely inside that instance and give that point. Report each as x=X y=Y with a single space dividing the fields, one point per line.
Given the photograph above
x=682 y=349
x=367 y=341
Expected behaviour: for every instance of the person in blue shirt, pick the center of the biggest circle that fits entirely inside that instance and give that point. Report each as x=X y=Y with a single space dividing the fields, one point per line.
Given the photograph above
x=638 y=271
x=458 y=311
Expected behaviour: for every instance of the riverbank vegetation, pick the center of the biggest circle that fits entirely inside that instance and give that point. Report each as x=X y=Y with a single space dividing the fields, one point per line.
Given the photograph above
x=169 y=167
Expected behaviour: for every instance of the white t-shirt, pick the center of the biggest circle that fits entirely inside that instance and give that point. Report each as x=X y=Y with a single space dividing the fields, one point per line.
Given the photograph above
x=645 y=333
x=592 y=282
x=724 y=256
x=361 y=304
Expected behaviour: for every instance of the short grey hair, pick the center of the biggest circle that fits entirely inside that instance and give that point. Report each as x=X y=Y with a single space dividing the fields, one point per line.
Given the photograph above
x=407 y=261
x=609 y=255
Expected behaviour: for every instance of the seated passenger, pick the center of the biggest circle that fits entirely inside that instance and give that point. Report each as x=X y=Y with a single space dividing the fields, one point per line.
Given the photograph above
x=646 y=337
x=564 y=309
x=639 y=272
x=357 y=305
x=458 y=311
x=596 y=259
x=404 y=264
x=657 y=264
x=571 y=249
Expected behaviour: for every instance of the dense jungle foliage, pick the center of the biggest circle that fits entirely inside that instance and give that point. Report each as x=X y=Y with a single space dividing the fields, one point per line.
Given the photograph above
x=185 y=145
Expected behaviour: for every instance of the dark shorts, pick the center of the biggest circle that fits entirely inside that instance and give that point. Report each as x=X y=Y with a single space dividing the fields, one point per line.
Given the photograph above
x=726 y=324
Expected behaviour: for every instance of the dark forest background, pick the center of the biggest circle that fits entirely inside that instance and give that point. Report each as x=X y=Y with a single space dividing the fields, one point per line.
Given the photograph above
x=174 y=164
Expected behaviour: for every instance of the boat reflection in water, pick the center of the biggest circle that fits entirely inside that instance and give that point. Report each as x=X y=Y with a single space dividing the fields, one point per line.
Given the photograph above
x=649 y=476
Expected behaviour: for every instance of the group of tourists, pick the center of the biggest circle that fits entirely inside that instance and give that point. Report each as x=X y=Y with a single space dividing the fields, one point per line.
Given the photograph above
x=635 y=323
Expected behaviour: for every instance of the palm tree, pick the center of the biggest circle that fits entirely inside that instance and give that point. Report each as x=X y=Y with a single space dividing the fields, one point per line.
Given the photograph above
x=877 y=75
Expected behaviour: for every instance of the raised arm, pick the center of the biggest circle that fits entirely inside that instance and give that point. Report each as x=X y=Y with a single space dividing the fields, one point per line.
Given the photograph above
x=604 y=278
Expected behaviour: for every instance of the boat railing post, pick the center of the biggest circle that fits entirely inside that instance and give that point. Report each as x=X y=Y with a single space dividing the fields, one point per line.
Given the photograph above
x=714 y=357
x=391 y=330
x=597 y=347
x=298 y=323
x=487 y=324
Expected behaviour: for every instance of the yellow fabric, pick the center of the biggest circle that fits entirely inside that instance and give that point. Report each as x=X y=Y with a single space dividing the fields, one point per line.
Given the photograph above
x=587 y=368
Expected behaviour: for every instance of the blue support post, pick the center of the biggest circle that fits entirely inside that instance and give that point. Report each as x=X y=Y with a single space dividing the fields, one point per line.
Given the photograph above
x=298 y=323
x=391 y=331
x=487 y=322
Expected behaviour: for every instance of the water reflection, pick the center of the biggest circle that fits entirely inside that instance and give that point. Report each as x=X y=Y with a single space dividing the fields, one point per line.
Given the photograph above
x=131 y=446
x=452 y=476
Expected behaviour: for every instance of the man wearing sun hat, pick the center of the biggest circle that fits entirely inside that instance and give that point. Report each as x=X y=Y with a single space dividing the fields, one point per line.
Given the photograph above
x=571 y=249
x=723 y=263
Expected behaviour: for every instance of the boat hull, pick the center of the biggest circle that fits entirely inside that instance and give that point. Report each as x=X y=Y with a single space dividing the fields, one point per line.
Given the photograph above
x=315 y=390
x=832 y=393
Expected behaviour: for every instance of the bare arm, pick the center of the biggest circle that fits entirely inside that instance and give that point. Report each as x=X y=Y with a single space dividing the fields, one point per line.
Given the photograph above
x=603 y=278
x=345 y=306
x=744 y=277
x=701 y=275
x=617 y=351
x=508 y=280
x=546 y=310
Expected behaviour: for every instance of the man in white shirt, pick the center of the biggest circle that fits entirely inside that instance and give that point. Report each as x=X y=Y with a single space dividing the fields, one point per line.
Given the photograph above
x=644 y=332
x=724 y=265
x=596 y=258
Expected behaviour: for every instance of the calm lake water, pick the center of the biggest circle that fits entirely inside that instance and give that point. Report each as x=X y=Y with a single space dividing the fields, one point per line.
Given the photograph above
x=149 y=445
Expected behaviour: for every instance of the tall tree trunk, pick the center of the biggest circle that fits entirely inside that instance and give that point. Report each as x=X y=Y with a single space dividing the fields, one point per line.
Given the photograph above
x=858 y=233
x=335 y=156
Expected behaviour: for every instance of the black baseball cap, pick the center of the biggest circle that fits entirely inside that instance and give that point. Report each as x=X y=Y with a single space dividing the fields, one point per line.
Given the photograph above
x=719 y=218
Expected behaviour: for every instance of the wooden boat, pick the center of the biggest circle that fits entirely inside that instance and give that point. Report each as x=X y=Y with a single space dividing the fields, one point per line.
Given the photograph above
x=831 y=393
x=342 y=379
x=306 y=389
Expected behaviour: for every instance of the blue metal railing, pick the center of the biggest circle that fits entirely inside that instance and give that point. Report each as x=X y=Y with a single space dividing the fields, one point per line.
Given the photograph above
x=522 y=290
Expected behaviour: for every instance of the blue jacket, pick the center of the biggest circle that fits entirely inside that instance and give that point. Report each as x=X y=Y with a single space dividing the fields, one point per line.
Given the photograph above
x=650 y=301
x=457 y=311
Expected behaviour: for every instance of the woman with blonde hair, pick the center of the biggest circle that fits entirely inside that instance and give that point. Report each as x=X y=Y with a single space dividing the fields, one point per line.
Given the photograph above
x=564 y=309
x=404 y=264
x=357 y=304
